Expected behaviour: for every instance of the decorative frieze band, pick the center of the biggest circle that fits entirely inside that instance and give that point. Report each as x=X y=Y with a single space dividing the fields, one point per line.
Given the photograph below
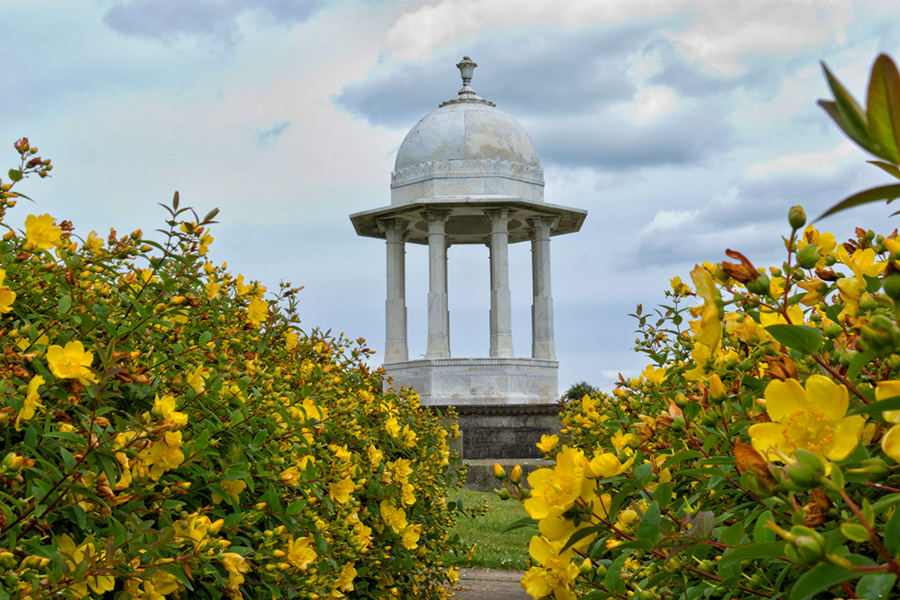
x=468 y=167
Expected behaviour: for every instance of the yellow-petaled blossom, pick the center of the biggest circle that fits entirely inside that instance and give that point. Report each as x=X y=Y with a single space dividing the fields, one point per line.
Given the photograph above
x=236 y=566
x=341 y=491
x=7 y=296
x=163 y=455
x=300 y=552
x=233 y=489
x=74 y=556
x=890 y=442
x=850 y=290
x=32 y=401
x=258 y=311
x=813 y=418
x=547 y=443
x=197 y=379
x=709 y=329
x=344 y=582
x=556 y=577
x=165 y=407
x=654 y=374
x=213 y=289
x=242 y=289
x=94 y=242
x=410 y=535
x=679 y=288
x=205 y=241
x=394 y=517
x=41 y=231
x=604 y=464
x=290 y=340
x=620 y=440
x=71 y=362
x=862 y=261
x=393 y=427
x=553 y=491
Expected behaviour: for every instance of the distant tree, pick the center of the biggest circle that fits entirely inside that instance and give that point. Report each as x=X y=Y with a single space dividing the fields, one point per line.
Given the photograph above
x=580 y=390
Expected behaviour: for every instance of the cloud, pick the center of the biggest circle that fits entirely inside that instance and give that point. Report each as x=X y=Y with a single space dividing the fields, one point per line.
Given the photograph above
x=416 y=34
x=268 y=137
x=169 y=19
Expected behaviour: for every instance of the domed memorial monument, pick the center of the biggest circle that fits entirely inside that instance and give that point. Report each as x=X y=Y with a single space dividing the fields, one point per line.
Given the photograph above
x=467 y=173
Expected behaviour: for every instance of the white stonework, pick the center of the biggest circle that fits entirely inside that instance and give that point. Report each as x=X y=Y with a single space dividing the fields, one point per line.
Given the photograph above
x=467 y=173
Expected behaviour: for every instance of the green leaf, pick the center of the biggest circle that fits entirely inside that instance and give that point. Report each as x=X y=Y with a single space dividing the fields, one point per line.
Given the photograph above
x=15 y=174
x=614 y=571
x=797 y=337
x=891 y=534
x=883 y=107
x=64 y=304
x=761 y=533
x=886 y=167
x=847 y=112
x=663 y=494
x=648 y=528
x=754 y=551
x=877 y=407
x=858 y=362
x=579 y=535
x=523 y=522
x=67 y=458
x=295 y=507
x=884 y=192
x=875 y=586
x=733 y=535
x=822 y=577
x=854 y=532
x=205 y=337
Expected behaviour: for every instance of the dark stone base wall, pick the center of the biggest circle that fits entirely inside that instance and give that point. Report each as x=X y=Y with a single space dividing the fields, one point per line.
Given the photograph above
x=504 y=431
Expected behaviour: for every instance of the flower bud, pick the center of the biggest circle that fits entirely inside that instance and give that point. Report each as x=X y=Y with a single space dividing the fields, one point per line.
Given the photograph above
x=808 y=544
x=808 y=256
x=716 y=389
x=516 y=476
x=503 y=494
x=877 y=469
x=760 y=285
x=587 y=568
x=891 y=285
x=499 y=473
x=796 y=217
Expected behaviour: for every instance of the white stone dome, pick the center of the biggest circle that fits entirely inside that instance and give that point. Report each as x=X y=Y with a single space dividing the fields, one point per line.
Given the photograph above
x=467 y=130
x=467 y=147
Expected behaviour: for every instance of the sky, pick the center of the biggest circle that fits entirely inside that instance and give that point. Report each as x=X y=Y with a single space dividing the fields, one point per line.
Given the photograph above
x=683 y=127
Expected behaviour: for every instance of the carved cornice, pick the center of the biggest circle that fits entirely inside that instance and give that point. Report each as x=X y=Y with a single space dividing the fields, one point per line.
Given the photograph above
x=467 y=167
x=501 y=409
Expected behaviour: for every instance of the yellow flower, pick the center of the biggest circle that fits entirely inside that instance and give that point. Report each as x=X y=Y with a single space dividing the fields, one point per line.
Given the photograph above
x=890 y=443
x=557 y=575
x=165 y=407
x=710 y=312
x=41 y=231
x=93 y=242
x=409 y=537
x=654 y=374
x=394 y=517
x=258 y=311
x=344 y=581
x=164 y=454
x=71 y=362
x=555 y=490
x=236 y=566
x=603 y=464
x=290 y=340
x=74 y=556
x=241 y=288
x=678 y=287
x=813 y=419
x=547 y=443
x=300 y=553
x=340 y=491
x=233 y=488
x=32 y=400
x=197 y=379
x=212 y=289
x=7 y=296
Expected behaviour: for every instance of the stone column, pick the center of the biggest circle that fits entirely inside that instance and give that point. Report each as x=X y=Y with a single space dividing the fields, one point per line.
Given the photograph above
x=438 y=311
x=501 y=312
x=396 y=345
x=542 y=345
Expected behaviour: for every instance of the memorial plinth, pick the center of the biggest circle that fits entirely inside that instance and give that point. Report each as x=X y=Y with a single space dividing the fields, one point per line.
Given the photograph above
x=467 y=173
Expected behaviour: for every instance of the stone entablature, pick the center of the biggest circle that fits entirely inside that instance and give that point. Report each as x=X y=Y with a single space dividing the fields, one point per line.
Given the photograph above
x=468 y=167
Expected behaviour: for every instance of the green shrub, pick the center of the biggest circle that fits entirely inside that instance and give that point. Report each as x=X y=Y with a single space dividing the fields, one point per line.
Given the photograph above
x=758 y=454
x=170 y=432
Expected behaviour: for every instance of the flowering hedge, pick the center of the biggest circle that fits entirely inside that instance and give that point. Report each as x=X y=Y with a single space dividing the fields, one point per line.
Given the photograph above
x=758 y=454
x=167 y=431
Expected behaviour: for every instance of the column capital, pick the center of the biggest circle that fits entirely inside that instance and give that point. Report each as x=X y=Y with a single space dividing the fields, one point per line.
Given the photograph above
x=539 y=227
x=393 y=225
x=436 y=215
x=501 y=214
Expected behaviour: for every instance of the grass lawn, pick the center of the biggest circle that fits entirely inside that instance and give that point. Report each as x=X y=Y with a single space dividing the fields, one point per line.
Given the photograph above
x=495 y=550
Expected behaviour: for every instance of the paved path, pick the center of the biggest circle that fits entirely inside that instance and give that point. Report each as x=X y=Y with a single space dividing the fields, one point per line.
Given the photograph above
x=490 y=584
